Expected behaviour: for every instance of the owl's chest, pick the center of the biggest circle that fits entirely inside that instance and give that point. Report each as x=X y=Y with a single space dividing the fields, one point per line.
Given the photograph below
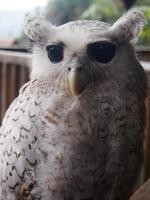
x=83 y=139
x=77 y=137
x=82 y=118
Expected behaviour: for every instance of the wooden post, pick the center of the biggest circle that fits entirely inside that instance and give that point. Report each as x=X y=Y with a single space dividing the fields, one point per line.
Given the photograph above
x=147 y=138
x=12 y=76
x=143 y=193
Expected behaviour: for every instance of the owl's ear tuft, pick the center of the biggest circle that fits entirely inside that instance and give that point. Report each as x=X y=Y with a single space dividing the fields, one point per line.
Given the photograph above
x=128 y=27
x=37 y=28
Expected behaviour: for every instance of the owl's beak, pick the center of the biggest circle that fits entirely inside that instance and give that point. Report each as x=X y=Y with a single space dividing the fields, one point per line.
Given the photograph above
x=76 y=82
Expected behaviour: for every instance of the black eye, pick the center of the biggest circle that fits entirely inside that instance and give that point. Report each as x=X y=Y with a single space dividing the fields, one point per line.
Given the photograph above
x=55 y=52
x=102 y=52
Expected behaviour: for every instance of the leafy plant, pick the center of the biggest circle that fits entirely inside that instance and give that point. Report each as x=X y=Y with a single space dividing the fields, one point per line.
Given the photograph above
x=62 y=11
x=105 y=10
x=144 y=38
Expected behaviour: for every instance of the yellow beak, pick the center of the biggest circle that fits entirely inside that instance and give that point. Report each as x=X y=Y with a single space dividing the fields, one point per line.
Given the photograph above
x=76 y=82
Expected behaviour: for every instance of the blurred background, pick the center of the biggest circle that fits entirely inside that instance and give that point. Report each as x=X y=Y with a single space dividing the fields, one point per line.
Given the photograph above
x=14 y=46
x=61 y=11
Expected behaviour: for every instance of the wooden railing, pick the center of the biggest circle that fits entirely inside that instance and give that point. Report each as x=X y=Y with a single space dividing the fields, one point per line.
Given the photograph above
x=14 y=73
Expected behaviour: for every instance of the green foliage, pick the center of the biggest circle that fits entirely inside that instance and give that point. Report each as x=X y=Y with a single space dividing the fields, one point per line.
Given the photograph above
x=145 y=34
x=62 y=11
x=105 y=10
x=143 y=2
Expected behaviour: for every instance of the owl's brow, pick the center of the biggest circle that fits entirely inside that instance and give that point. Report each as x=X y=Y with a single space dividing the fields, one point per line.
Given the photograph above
x=55 y=42
x=99 y=35
x=98 y=38
x=102 y=37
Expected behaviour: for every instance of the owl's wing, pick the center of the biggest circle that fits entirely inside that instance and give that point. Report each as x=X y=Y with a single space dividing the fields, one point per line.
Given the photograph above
x=18 y=140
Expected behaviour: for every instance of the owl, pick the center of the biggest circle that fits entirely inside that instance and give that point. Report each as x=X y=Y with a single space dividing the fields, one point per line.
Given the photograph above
x=76 y=130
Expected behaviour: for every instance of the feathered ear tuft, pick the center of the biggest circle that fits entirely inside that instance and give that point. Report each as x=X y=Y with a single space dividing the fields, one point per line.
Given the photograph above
x=128 y=27
x=37 y=28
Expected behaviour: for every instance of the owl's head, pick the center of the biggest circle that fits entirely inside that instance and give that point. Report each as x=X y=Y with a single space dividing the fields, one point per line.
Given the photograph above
x=83 y=52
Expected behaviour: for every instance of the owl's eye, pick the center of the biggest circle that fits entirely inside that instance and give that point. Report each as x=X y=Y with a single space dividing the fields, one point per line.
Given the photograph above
x=55 y=52
x=102 y=52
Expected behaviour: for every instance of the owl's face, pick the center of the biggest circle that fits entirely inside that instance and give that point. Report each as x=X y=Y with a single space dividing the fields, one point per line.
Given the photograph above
x=78 y=54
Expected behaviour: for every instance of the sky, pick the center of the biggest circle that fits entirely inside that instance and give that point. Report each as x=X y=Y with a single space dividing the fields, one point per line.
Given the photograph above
x=14 y=5
x=15 y=10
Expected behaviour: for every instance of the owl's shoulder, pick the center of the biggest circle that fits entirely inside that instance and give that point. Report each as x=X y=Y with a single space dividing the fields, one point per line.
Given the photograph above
x=19 y=131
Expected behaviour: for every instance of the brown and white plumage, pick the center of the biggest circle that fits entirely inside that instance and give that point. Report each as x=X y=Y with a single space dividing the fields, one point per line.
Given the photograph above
x=75 y=132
